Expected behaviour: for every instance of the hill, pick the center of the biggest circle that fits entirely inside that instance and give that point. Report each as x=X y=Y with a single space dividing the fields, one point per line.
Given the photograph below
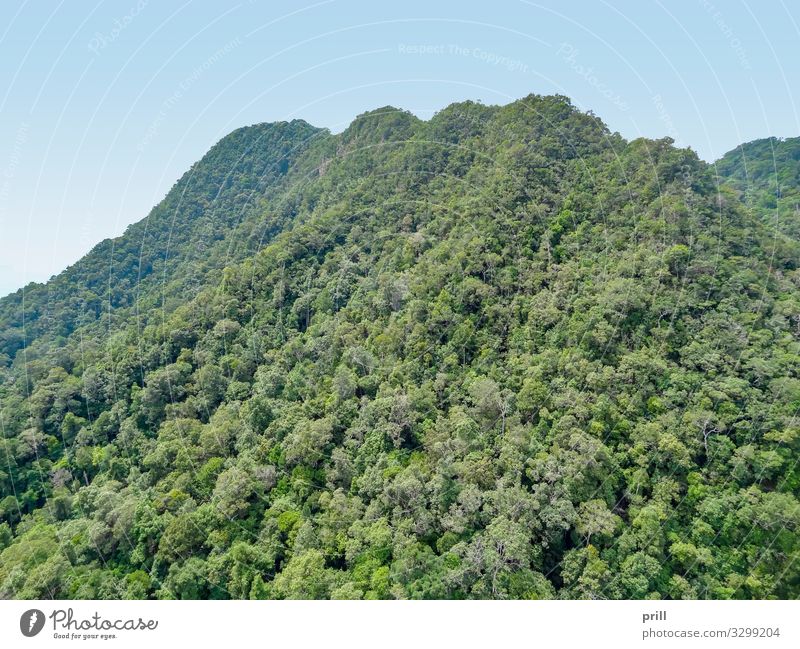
x=503 y=353
x=766 y=173
x=212 y=216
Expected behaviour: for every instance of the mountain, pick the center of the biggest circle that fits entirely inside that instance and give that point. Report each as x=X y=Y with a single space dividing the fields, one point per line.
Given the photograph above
x=212 y=216
x=766 y=173
x=503 y=353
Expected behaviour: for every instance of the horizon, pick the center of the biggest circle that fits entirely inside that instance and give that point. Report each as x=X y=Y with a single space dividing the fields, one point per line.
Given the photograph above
x=105 y=108
x=344 y=128
x=341 y=130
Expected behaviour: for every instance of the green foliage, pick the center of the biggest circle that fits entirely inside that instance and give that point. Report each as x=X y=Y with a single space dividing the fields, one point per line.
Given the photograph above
x=499 y=354
x=766 y=174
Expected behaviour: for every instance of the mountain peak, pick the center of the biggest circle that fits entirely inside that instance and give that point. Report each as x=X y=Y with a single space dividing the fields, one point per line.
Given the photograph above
x=381 y=125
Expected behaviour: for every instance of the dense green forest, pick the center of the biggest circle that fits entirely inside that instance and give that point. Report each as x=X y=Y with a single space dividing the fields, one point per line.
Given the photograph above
x=503 y=353
x=766 y=173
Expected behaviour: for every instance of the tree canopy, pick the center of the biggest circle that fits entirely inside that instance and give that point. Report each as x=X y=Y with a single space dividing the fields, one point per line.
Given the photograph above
x=503 y=353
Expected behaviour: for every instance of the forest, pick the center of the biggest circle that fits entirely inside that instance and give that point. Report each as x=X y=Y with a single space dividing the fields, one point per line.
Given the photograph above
x=503 y=353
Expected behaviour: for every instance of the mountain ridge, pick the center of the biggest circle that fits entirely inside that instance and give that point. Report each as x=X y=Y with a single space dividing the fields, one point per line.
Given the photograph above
x=501 y=353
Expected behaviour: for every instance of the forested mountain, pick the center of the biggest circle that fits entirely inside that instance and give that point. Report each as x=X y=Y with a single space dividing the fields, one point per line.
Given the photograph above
x=767 y=175
x=503 y=353
x=212 y=215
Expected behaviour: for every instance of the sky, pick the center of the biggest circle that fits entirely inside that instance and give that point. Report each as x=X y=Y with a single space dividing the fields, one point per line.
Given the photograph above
x=104 y=105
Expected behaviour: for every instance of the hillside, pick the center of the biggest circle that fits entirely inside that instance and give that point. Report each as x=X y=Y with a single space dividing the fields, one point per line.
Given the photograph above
x=503 y=353
x=213 y=215
x=766 y=173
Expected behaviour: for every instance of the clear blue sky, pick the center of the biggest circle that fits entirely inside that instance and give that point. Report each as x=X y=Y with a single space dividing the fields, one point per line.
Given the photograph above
x=103 y=105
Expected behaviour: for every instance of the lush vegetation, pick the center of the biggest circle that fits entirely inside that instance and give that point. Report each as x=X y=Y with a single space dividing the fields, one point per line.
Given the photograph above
x=766 y=173
x=500 y=354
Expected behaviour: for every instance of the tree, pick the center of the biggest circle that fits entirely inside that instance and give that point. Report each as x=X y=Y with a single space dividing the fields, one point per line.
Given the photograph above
x=594 y=518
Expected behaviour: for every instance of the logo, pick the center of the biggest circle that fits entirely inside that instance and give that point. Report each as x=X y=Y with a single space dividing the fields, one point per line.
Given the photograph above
x=31 y=622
